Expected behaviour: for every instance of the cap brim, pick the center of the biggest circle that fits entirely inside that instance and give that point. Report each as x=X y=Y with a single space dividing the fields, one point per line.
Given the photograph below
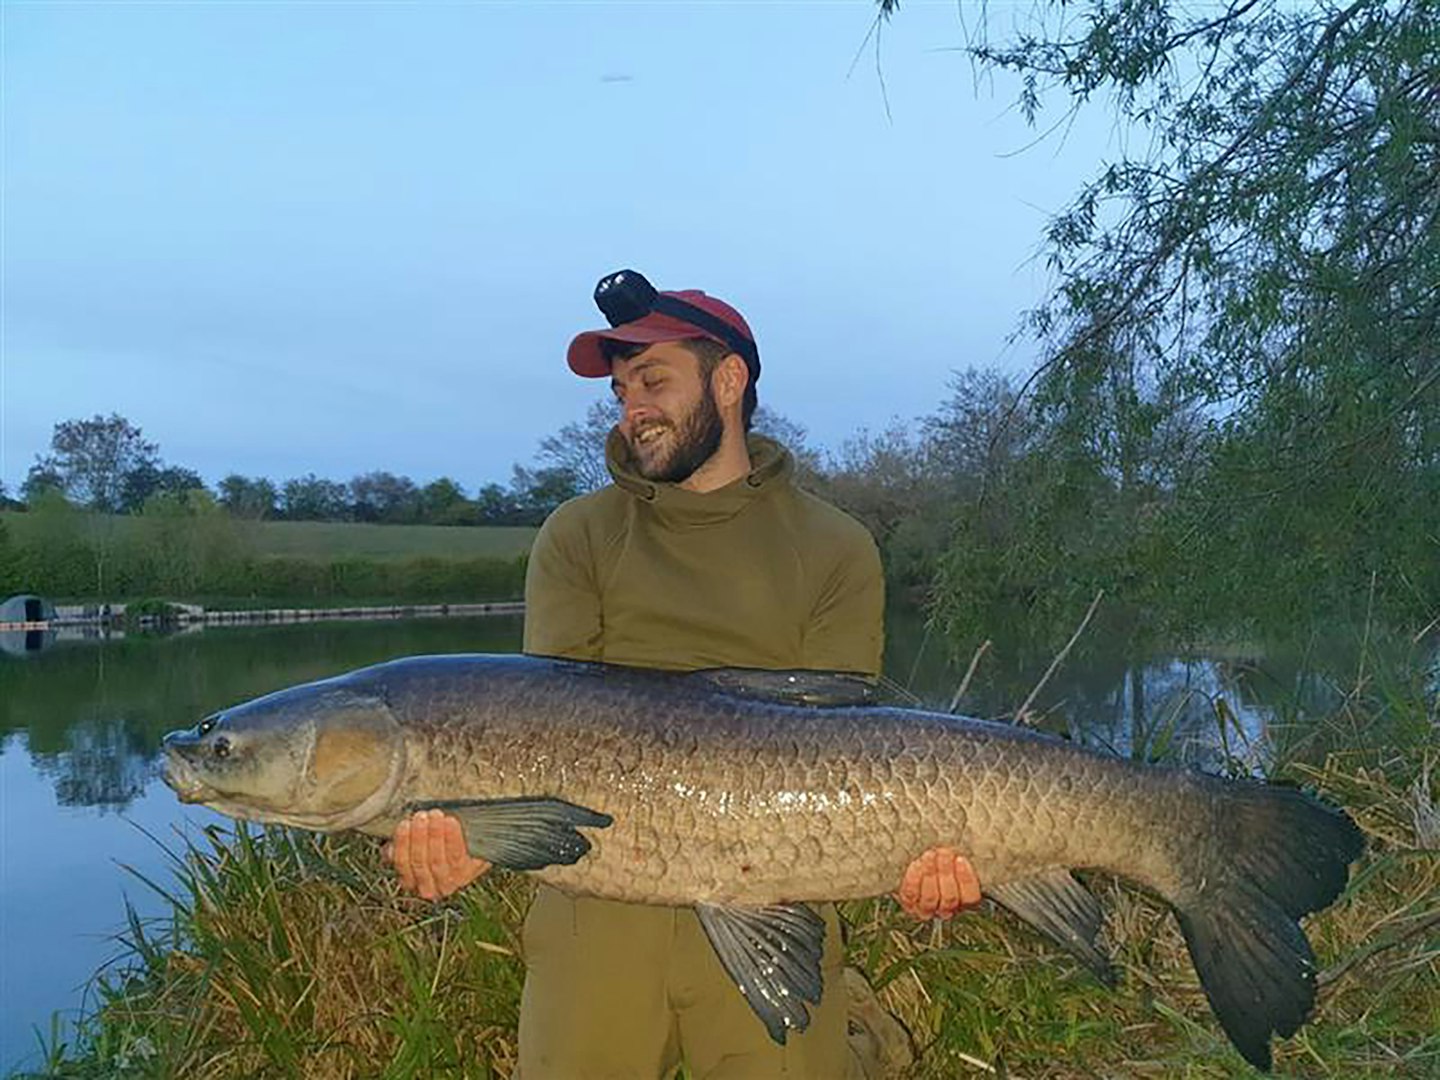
x=585 y=355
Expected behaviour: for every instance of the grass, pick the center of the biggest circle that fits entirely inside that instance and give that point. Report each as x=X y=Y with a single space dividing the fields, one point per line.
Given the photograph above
x=330 y=540
x=326 y=539
x=290 y=955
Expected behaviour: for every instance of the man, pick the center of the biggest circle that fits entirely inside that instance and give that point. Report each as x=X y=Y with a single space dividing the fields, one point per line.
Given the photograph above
x=702 y=553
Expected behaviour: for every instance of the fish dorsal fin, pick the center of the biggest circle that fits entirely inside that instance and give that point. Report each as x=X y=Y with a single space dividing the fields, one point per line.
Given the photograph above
x=521 y=834
x=793 y=687
x=773 y=954
x=1063 y=910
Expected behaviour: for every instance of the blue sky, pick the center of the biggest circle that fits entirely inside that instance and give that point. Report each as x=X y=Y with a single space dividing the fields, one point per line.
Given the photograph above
x=331 y=237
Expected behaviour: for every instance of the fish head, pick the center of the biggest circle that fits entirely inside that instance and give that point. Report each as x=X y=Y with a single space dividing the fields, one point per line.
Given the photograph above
x=321 y=756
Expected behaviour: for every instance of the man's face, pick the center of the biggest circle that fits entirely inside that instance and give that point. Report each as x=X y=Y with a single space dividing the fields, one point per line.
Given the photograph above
x=669 y=417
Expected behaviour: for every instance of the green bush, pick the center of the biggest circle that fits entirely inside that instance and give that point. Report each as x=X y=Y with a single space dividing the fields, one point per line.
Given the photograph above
x=9 y=564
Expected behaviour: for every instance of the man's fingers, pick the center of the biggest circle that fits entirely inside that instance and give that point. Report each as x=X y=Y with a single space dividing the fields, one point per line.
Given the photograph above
x=947 y=881
x=909 y=892
x=969 y=882
x=420 y=856
x=457 y=857
x=439 y=861
x=400 y=852
x=929 y=888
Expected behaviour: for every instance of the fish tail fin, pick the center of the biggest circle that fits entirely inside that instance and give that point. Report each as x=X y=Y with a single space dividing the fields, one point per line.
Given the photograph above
x=1285 y=856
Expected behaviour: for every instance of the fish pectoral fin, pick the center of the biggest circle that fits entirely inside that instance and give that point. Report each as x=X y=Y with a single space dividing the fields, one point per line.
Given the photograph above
x=1063 y=910
x=773 y=954
x=524 y=833
x=817 y=688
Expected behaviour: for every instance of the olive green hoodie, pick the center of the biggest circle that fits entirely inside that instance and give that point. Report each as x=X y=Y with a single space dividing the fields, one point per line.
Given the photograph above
x=755 y=574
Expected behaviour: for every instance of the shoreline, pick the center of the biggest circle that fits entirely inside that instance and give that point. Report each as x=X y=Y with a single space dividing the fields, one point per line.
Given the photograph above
x=91 y=617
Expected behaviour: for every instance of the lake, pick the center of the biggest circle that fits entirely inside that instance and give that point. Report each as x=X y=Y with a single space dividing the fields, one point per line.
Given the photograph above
x=81 y=722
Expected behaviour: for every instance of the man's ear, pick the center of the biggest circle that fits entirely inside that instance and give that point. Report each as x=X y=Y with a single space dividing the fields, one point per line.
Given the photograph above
x=729 y=380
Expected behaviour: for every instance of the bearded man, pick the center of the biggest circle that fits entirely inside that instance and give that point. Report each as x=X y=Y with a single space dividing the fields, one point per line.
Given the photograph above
x=702 y=553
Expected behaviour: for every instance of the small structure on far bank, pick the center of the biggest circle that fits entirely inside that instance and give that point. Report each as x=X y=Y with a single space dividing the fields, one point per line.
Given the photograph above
x=26 y=608
x=25 y=624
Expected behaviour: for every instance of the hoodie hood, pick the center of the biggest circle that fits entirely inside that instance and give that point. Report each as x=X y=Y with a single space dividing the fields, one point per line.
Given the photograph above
x=772 y=467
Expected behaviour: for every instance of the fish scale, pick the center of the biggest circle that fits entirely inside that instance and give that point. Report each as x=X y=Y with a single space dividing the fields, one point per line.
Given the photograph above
x=745 y=783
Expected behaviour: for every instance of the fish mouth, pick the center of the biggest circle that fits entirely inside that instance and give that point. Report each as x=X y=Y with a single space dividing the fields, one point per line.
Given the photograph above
x=180 y=778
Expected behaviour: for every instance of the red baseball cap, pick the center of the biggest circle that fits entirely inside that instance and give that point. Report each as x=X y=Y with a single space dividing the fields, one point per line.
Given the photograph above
x=585 y=355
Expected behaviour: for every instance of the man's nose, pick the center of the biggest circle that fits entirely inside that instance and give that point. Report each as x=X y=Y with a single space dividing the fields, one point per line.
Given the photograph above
x=637 y=411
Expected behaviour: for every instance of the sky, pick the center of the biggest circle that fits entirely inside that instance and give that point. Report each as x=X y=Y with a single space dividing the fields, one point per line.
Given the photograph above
x=286 y=238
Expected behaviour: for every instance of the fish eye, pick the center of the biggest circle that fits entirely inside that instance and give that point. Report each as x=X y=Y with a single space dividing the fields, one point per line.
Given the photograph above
x=221 y=747
x=206 y=726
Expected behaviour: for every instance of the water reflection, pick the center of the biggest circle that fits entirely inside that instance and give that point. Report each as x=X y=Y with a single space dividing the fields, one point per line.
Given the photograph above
x=20 y=643
x=1235 y=711
x=106 y=765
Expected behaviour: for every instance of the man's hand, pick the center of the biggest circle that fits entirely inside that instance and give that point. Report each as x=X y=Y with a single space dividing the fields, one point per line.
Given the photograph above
x=938 y=884
x=429 y=854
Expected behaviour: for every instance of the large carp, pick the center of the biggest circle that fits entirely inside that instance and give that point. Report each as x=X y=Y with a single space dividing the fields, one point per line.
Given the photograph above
x=744 y=794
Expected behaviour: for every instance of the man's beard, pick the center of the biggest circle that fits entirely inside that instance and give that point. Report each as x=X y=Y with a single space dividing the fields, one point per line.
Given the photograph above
x=695 y=439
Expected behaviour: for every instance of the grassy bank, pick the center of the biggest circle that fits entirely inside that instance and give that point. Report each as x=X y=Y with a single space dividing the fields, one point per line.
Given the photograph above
x=291 y=955
x=328 y=539
x=207 y=557
x=331 y=539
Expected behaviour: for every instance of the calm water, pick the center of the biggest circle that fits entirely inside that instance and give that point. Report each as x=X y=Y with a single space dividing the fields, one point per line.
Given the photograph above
x=80 y=723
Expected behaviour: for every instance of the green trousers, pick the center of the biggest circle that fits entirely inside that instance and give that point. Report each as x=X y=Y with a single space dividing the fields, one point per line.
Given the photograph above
x=628 y=992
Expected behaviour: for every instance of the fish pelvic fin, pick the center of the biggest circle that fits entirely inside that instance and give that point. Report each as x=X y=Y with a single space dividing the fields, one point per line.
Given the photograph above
x=773 y=954
x=523 y=833
x=1289 y=855
x=1061 y=908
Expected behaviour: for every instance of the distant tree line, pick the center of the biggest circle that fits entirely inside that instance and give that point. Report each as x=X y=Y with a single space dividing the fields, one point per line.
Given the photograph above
x=105 y=464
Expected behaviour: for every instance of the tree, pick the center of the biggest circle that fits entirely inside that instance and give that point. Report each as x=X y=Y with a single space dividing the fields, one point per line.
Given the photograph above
x=496 y=506
x=149 y=479
x=42 y=479
x=10 y=572
x=187 y=536
x=383 y=496
x=252 y=499
x=6 y=502
x=443 y=502
x=310 y=498
x=1255 y=282
x=982 y=427
x=579 y=448
x=793 y=436
x=539 y=491
x=92 y=459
